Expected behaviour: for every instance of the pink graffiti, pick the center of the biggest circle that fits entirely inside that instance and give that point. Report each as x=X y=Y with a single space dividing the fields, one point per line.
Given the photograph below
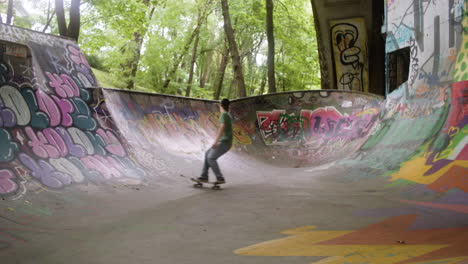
x=107 y=166
x=66 y=109
x=6 y=183
x=113 y=144
x=47 y=144
x=48 y=106
x=64 y=85
x=331 y=123
x=58 y=110
x=77 y=56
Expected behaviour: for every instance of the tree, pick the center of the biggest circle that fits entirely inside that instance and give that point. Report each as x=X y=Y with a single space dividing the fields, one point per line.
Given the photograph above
x=221 y=71
x=50 y=16
x=73 y=29
x=9 y=12
x=271 y=46
x=236 y=61
x=204 y=10
x=134 y=60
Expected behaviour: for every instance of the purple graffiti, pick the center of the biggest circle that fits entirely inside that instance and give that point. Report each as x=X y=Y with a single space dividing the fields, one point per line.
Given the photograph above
x=45 y=172
x=47 y=144
x=7 y=185
x=7 y=116
x=74 y=149
x=112 y=143
x=77 y=57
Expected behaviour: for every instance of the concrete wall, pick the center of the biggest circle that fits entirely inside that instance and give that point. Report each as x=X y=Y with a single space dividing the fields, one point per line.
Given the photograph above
x=54 y=129
x=352 y=60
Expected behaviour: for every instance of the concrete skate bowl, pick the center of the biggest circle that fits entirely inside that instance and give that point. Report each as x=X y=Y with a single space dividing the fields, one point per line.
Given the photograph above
x=59 y=134
x=297 y=129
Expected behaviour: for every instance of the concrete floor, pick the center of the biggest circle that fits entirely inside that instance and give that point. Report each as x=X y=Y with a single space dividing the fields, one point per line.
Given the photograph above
x=205 y=226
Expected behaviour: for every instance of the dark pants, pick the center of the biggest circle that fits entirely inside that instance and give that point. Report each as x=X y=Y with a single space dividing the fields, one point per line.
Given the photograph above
x=211 y=156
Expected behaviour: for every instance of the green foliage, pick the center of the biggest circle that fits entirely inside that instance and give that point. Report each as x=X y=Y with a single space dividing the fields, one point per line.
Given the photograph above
x=109 y=28
x=96 y=62
x=107 y=80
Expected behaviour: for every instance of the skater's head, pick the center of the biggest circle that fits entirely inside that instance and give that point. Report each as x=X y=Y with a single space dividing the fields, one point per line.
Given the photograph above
x=225 y=104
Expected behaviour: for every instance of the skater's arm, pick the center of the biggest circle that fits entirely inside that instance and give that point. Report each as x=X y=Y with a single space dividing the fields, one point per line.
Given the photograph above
x=218 y=135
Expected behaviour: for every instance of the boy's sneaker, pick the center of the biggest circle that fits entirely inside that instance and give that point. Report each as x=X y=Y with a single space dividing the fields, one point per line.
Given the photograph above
x=220 y=181
x=202 y=179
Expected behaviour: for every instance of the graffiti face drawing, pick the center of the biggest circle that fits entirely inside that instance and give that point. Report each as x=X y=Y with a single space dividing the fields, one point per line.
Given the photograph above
x=349 y=54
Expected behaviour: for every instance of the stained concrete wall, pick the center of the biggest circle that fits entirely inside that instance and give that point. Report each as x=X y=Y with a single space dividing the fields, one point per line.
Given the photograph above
x=352 y=57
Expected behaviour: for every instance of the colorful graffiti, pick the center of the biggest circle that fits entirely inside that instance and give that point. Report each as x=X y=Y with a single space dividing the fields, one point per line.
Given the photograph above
x=349 y=42
x=444 y=163
x=278 y=128
x=390 y=241
x=434 y=32
x=49 y=129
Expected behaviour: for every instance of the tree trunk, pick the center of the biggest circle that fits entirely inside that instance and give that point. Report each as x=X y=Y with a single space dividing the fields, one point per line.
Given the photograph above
x=271 y=47
x=73 y=28
x=196 y=32
x=221 y=71
x=74 y=25
x=262 y=85
x=179 y=59
x=206 y=70
x=50 y=16
x=9 y=12
x=135 y=60
x=192 y=64
x=236 y=62
x=61 y=22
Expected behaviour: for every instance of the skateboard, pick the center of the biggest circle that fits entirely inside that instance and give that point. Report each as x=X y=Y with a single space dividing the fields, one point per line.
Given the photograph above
x=199 y=184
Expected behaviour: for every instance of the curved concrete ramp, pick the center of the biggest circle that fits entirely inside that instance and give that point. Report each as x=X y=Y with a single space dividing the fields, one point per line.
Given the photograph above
x=299 y=129
x=95 y=174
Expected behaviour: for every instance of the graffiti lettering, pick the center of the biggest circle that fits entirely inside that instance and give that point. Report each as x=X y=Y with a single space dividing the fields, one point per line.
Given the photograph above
x=13 y=100
x=7 y=183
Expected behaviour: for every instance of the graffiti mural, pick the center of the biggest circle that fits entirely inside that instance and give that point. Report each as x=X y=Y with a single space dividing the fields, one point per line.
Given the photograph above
x=389 y=241
x=349 y=42
x=277 y=127
x=434 y=31
x=47 y=127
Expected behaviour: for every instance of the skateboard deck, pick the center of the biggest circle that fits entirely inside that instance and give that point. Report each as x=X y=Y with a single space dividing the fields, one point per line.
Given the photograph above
x=199 y=184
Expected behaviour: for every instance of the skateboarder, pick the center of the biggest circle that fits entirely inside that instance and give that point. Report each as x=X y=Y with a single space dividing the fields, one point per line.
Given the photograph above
x=221 y=145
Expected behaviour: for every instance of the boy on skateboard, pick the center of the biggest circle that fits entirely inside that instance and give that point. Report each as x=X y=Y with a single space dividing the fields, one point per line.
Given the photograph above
x=221 y=145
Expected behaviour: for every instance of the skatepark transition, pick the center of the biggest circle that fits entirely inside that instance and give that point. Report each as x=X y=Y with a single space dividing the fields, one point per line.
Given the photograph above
x=60 y=131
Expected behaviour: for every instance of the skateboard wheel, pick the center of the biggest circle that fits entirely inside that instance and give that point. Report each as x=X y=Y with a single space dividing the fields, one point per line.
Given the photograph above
x=216 y=187
x=198 y=185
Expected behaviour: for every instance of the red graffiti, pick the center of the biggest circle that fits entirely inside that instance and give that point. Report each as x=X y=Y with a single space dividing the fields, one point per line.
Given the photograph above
x=270 y=124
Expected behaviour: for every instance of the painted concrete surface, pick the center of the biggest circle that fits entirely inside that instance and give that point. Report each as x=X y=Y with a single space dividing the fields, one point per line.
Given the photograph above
x=94 y=175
